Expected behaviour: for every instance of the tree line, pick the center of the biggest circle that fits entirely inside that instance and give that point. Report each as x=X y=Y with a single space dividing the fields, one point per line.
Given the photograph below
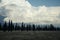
x=10 y=26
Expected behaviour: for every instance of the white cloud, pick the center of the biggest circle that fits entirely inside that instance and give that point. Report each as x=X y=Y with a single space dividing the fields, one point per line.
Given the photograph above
x=23 y=11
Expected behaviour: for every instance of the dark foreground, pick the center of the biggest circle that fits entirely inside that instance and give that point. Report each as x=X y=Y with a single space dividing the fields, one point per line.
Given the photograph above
x=30 y=35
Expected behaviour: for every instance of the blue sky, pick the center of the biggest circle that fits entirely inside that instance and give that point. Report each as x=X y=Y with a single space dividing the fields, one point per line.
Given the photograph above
x=45 y=2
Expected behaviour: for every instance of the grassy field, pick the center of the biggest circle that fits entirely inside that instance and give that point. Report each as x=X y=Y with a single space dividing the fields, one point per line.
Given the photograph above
x=30 y=35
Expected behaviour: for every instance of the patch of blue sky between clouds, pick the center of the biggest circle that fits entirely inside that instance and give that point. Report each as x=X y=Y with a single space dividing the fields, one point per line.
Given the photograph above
x=45 y=2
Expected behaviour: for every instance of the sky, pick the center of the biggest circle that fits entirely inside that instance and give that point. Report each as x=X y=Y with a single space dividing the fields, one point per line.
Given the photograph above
x=48 y=3
x=30 y=11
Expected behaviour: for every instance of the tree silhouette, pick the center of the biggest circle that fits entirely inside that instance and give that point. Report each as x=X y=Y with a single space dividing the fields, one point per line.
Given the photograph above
x=29 y=27
x=51 y=27
x=33 y=27
x=22 y=26
x=12 y=26
x=5 y=27
x=58 y=29
x=38 y=28
x=45 y=28
x=17 y=27
x=0 y=27
x=9 y=26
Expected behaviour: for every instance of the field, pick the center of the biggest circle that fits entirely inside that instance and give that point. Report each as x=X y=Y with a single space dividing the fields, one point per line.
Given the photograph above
x=30 y=35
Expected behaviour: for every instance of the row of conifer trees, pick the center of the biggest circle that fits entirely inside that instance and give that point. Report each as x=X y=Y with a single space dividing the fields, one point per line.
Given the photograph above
x=28 y=27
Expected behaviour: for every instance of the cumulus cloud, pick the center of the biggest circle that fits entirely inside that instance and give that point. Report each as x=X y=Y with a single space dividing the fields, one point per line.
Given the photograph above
x=23 y=11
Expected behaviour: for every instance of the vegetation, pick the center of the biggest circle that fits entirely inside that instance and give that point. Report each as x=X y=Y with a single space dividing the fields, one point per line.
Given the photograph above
x=26 y=27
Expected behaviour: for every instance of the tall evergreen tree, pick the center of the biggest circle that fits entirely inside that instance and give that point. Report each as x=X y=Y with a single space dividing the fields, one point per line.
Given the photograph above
x=51 y=27
x=22 y=26
x=29 y=27
x=11 y=26
x=33 y=27
x=5 y=27
x=16 y=27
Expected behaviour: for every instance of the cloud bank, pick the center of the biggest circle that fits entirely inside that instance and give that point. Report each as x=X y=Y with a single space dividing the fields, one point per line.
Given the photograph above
x=22 y=11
